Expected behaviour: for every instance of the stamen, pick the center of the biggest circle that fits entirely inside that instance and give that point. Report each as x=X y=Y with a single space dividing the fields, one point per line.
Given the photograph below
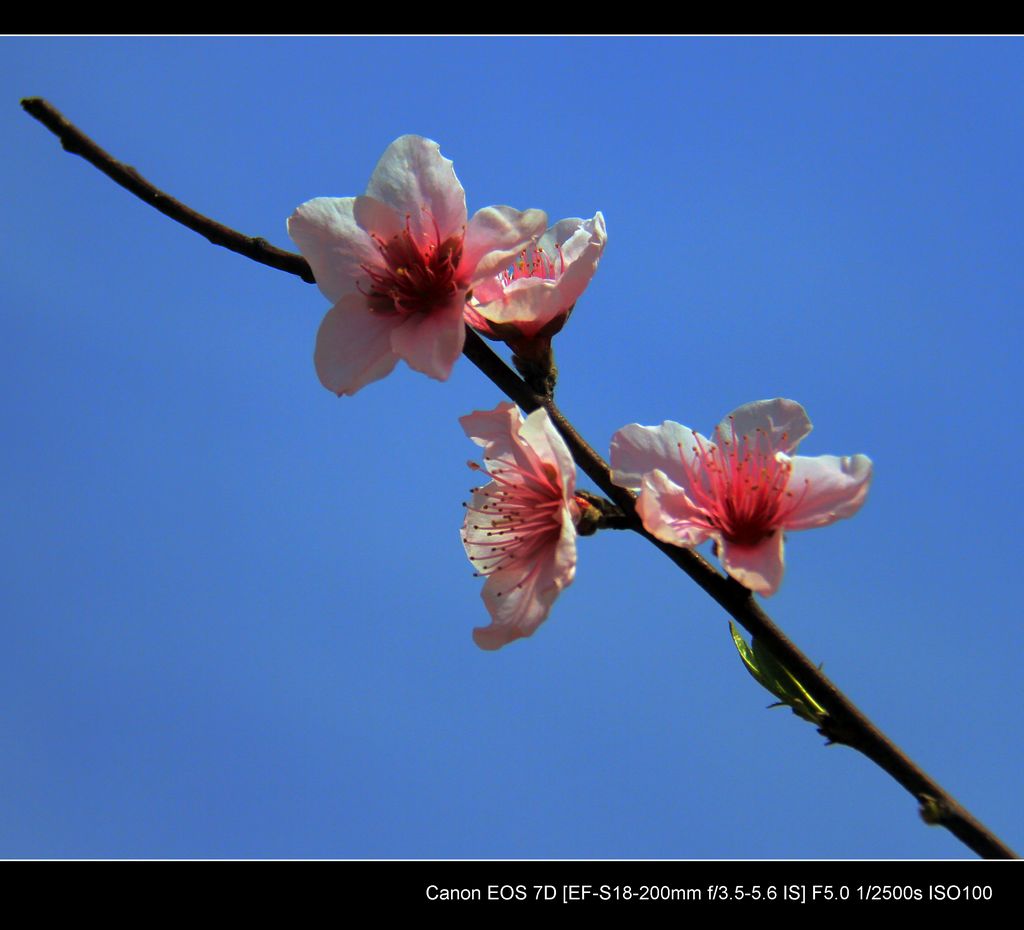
x=413 y=277
x=740 y=484
x=522 y=511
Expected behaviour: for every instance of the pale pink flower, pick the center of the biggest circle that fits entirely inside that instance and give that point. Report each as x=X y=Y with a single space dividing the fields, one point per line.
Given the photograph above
x=535 y=295
x=398 y=262
x=743 y=490
x=520 y=530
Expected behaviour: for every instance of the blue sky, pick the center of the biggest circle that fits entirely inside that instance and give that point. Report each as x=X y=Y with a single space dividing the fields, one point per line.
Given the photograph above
x=236 y=610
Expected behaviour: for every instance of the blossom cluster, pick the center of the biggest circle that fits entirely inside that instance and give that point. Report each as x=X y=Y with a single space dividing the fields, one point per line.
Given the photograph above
x=406 y=270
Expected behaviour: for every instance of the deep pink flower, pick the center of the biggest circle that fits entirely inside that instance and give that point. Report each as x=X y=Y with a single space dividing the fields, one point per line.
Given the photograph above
x=398 y=262
x=519 y=530
x=538 y=291
x=743 y=490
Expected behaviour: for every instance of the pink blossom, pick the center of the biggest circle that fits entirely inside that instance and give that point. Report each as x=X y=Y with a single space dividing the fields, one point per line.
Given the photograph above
x=397 y=264
x=519 y=530
x=743 y=490
x=536 y=294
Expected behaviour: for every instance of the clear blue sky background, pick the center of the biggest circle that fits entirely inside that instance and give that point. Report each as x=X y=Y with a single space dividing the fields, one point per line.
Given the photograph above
x=236 y=612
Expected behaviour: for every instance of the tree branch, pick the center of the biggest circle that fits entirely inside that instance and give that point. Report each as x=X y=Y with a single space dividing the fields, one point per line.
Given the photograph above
x=845 y=722
x=78 y=143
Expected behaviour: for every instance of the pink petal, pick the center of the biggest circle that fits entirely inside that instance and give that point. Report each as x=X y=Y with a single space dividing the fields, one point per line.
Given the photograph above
x=574 y=246
x=774 y=418
x=495 y=426
x=547 y=445
x=519 y=597
x=486 y=290
x=353 y=346
x=494 y=237
x=497 y=431
x=529 y=443
x=759 y=568
x=582 y=251
x=378 y=218
x=529 y=303
x=637 y=450
x=668 y=513
x=431 y=342
x=331 y=241
x=562 y=236
x=828 y=488
x=414 y=178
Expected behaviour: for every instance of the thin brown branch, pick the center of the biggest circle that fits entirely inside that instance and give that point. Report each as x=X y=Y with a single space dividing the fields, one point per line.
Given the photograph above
x=77 y=143
x=845 y=723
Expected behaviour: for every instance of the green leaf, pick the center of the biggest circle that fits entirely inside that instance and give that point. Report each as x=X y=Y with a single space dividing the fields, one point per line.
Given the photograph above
x=774 y=677
x=745 y=654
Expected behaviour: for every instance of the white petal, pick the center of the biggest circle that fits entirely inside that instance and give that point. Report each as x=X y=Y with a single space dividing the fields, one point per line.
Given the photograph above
x=559 y=236
x=547 y=444
x=493 y=426
x=783 y=422
x=827 y=488
x=377 y=218
x=582 y=253
x=759 y=568
x=573 y=236
x=497 y=431
x=529 y=304
x=353 y=346
x=326 y=232
x=519 y=597
x=432 y=342
x=495 y=236
x=637 y=450
x=574 y=246
x=415 y=179
x=668 y=513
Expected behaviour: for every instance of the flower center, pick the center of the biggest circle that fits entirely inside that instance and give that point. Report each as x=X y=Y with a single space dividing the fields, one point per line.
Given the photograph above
x=416 y=275
x=742 y=485
x=520 y=514
x=533 y=263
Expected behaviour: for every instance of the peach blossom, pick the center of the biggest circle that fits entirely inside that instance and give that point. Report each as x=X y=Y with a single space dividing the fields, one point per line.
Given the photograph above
x=397 y=264
x=536 y=294
x=744 y=490
x=519 y=531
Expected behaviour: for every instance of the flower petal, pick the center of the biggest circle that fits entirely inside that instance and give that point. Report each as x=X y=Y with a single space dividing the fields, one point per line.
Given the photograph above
x=431 y=342
x=548 y=446
x=485 y=290
x=486 y=427
x=415 y=179
x=326 y=232
x=495 y=235
x=759 y=568
x=783 y=422
x=377 y=218
x=353 y=346
x=519 y=597
x=529 y=304
x=497 y=431
x=529 y=443
x=581 y=251
x=668 y=513
x=574 y=248
x=828 y=487
x=637 y=450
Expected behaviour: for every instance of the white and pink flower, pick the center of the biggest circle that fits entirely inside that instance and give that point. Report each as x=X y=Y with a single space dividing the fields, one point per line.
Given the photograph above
x=520 y=529
x=744 y=489
x=397 y=264
x=534 y=296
